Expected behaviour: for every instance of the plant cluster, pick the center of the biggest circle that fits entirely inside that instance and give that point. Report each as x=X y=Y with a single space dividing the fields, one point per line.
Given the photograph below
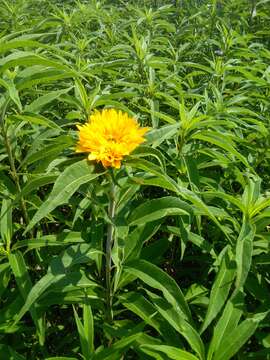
x=153 y=250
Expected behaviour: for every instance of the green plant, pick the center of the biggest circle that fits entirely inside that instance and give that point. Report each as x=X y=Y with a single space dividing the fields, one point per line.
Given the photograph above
x=186 y=218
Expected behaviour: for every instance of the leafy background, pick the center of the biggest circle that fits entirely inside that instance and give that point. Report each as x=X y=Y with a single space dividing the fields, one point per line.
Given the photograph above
x=190 y=277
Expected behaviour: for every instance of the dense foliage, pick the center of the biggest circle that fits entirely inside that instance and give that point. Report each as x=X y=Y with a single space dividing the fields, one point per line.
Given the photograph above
x=188 y=212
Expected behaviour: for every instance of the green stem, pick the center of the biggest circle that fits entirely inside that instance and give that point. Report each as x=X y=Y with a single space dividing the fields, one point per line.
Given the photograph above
x=14 y=175
x=181 y=142
x=109 y=244
x=13 y=172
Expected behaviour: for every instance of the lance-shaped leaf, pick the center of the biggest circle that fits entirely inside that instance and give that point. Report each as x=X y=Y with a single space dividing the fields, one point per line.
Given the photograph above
x=24 y=283
x=220 y=289
x=43 y=100
x=158 y=279
x=244 y=247
x=77 y=254
x=227 y=323
x=238 y=337
x=176 y=320
x=170 y=352
x=65 y=186
x=159 y=208
x=85 y=330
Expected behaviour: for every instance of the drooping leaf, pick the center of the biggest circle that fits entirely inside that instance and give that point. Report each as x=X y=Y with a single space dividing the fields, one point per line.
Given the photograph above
x=159 y=208
x=158 y=279
x=65 y=186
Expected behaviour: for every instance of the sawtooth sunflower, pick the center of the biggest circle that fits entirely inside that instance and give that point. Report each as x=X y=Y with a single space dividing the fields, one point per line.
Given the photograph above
x=108 y=136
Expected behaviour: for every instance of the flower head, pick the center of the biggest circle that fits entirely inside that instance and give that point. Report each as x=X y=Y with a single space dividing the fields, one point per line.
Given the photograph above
x=108 y=136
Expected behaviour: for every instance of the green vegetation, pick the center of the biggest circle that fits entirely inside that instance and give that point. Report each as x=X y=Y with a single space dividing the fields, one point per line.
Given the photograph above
x=190 y=258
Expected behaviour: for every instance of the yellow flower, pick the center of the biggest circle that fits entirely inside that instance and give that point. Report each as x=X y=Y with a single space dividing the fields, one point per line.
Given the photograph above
x=108 y=136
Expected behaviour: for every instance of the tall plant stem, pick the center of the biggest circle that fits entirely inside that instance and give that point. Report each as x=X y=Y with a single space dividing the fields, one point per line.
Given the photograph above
x=15 y=176
x=109 y=243
x=13 y=172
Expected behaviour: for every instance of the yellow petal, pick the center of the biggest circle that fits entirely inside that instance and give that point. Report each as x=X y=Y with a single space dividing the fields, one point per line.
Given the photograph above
x=92 y=157
x=108 y=136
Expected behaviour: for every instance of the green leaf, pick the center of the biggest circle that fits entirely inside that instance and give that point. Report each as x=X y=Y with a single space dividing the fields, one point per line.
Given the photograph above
x=171 y=352
x=15 y=44
x=24 y=283
x=85 y=345
x=75 y=282
x=96 y=236
x=12 y=91
x=65 y=186
x=36 y=120
x=49 y=151
x=250 y=197
x=221 y=141
x=158 y=136
x=35 y=184
x=243 y=257
x=238 y=337
x=75 y=254
x=192 y=172
x=25 y=58
x=182 y=326
x=5 y=274
x=62 y=239
x=135 y=240
x=37 y=290
x=88 y=322
x=57 y=271
x=166 y=182
x=157 y=209
x=160 y=115
x=143 y=151
x=117 y=349
x=81 y=93
x=6 y=228
x=142 y=307
x=43 y=100
x=220 y=289
x=227 y=323
x=158 y=279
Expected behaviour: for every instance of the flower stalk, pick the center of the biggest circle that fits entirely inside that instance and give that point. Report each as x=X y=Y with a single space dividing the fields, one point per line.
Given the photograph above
x=109 y=244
